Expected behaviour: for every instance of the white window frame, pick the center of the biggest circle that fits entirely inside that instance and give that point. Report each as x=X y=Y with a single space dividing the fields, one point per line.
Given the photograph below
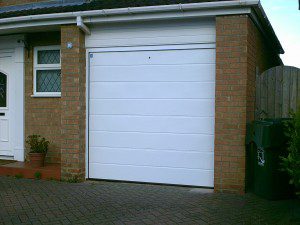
x=37 y=67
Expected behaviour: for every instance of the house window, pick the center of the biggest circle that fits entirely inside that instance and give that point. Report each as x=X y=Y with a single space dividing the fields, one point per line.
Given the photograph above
x=47 y=71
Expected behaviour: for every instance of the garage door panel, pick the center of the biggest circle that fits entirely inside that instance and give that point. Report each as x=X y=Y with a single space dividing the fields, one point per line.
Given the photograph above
x=166 y=57
x=156 y=124
x=153 y=107
x=151 y=115
x=170 y=32
x=147 y=157
x=156 y=90
x=155 y=141
x=182 y=39
x=200 y=73
x=178 y=176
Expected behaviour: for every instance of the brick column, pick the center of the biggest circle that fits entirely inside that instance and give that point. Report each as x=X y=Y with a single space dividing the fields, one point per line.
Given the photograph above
x=231 y=103
x=73 y=103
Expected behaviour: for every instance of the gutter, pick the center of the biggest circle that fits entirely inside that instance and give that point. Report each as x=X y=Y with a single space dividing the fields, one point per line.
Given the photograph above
x=192 y=10
x=82 y=26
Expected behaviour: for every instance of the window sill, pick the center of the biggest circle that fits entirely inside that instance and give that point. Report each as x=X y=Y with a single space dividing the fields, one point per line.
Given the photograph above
x=56 y=95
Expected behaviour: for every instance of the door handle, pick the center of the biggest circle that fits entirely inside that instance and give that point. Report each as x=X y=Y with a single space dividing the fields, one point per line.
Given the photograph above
x=2 y=114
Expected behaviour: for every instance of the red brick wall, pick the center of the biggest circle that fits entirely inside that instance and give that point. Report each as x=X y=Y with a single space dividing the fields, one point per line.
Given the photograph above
x=240 y=48
x=73 y=103
x=17 y=2
x=42 y=115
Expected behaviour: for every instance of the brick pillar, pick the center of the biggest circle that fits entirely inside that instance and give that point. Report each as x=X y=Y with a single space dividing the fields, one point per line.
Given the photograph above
x=231 y=103
x=73 y=103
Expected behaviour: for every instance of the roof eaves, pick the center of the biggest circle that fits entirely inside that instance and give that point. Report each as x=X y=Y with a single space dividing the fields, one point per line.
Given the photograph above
x=267 y=26
x=41 y=6
x=56 y=6
x=64 y=6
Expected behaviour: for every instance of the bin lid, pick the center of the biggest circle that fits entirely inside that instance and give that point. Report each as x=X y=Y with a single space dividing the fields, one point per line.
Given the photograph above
x=269 y=133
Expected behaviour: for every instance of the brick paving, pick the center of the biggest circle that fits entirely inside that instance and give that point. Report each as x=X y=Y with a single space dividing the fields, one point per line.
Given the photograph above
x=49 y=202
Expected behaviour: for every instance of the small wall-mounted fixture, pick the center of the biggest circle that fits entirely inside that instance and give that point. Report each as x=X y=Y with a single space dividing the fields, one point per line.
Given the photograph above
x=69 y=45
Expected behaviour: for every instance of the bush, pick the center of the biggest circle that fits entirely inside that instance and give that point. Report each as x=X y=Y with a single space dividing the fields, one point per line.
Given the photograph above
x=37 y=175
x=37 y=144
x=291 y=163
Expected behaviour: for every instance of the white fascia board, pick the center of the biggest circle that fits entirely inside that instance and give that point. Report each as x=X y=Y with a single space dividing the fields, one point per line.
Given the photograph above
x=35 y=23
x=166 y=15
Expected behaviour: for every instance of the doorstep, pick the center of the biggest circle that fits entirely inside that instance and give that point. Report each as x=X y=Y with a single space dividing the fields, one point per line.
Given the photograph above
x=24 y=170
x=4 y=162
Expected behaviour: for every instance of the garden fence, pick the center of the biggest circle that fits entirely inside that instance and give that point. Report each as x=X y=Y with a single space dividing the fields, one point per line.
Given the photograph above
x=277 y=92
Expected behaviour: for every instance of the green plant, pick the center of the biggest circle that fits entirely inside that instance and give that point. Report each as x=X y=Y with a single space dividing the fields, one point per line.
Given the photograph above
x=37 y=144
x=37 y=175
x=19 y=176
x=291 y=163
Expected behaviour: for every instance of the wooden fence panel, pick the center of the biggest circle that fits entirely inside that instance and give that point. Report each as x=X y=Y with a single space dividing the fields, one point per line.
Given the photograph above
x=277 y=92
x=278 y=102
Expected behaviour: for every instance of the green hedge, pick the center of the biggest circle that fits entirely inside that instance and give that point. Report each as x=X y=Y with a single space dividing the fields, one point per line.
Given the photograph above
x=291 y=164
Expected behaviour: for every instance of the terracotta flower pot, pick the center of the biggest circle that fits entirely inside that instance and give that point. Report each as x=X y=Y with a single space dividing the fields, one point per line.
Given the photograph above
x=37 y=159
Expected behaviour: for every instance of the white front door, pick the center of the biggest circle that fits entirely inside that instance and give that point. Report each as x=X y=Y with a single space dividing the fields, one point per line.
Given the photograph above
x=6 y=103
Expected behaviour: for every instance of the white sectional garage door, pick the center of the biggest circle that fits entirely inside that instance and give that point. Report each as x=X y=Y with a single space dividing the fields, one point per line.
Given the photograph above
x=151 y=114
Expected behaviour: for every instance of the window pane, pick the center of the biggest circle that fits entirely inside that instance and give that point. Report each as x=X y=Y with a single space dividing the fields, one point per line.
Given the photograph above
x=49 y=57
x=3 y=90
x=48 y=81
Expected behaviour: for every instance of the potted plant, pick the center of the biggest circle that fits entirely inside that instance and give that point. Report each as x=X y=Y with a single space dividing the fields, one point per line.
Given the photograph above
x=38 y=150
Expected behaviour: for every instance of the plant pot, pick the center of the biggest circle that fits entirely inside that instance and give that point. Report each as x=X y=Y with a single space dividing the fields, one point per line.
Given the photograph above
x=37 y=159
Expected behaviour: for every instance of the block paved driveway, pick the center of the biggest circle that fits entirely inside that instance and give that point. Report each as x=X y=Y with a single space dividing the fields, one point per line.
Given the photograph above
x=48 y=202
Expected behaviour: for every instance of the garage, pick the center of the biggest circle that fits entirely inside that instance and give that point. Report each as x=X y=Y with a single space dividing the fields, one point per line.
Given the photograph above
x=152 y=103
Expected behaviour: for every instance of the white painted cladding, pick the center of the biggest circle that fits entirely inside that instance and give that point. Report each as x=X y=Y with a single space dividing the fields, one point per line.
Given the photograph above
x=151 y=109
x=153 y=33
